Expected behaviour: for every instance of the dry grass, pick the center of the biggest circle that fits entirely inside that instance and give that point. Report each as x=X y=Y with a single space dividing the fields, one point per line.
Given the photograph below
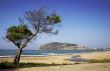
x=101 y=56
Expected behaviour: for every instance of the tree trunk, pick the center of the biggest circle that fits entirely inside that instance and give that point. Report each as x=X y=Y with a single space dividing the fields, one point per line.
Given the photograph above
x=18 y=55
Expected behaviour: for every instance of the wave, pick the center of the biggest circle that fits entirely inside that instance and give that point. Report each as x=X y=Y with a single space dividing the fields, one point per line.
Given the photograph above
x=6 y=56
x=43 y=55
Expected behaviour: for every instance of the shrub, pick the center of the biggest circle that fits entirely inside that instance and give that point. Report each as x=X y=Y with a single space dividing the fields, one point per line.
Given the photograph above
x=9 y=65
x=77 y=63
x=98 y=61
x=6 y=65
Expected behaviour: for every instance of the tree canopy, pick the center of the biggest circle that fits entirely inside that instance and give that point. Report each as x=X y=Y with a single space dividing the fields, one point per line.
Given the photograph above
x=40 y=22
x=17 y=34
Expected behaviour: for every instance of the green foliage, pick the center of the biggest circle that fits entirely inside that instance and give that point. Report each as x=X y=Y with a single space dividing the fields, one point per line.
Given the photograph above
x=16 y=34
x=8 y=65
x=54 y=18
x=77 y=63
x=42 y=22
x=98 y=61
x=22 y=65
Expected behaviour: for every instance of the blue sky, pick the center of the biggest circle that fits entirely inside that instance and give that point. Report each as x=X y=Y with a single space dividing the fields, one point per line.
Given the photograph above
x=84 y=22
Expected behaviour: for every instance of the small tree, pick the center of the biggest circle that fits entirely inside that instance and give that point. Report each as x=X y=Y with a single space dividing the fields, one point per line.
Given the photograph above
x=21 y=35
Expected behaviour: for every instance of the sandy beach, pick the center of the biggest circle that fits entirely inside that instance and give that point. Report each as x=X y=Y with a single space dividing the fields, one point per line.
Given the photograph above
x=63 y=59
x=79 y=67
x=97 y=55
x=57 y=59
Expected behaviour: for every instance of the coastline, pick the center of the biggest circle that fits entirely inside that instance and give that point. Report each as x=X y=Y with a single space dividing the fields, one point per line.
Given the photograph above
x=63 y=59
x=51 y=53
x=60 y=58
x=11 y=53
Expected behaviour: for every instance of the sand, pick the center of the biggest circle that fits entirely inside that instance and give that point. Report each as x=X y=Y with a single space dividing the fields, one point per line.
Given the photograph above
x=97 y=55
x=79 y=67
x=61 y=59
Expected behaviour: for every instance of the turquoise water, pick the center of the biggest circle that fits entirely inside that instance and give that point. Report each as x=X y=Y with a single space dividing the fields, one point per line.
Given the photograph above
x=43 y=52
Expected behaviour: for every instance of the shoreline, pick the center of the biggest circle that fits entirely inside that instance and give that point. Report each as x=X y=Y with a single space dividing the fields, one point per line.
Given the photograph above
x=46 y=52
x=60 y=58
x=49 y=54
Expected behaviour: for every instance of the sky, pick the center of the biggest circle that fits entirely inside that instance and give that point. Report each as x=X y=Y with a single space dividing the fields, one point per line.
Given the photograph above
x=84 y=22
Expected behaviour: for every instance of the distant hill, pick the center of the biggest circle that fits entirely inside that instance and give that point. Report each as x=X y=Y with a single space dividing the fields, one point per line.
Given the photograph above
x=61 y=46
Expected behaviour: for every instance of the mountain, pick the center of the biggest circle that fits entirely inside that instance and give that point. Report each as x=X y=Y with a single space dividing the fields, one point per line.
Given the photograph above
x=61 y=46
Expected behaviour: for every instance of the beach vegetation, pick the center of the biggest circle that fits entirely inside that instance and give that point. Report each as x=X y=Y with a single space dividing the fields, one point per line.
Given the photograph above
x=98 y=61
x=77 y=63
x=10 y=65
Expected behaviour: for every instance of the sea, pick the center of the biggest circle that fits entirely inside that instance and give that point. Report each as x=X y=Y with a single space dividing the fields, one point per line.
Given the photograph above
x=11 y=53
